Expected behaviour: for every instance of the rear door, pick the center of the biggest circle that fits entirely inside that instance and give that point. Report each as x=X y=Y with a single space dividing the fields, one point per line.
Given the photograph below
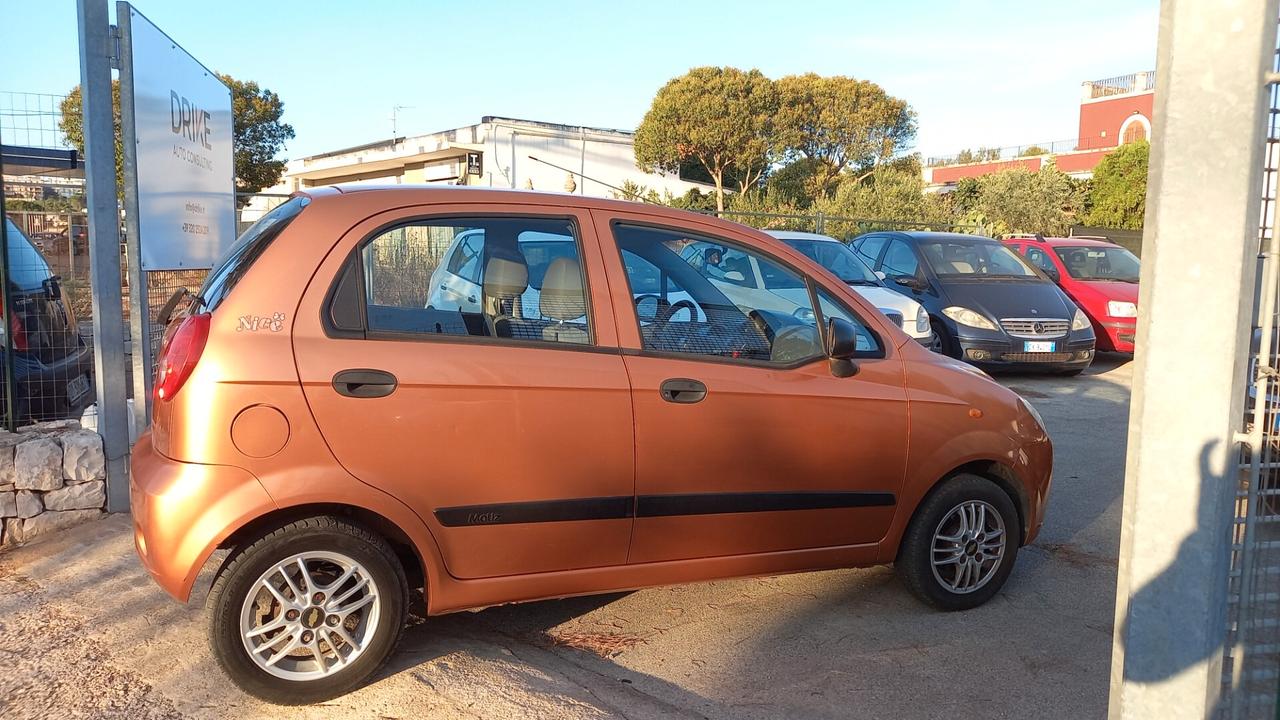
x=508 y=429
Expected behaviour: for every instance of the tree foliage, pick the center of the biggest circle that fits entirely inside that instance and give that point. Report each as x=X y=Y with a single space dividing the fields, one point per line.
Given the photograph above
x=1018 y=200
x=893 y=193
x=838 y=123
x=719 y=117
x=1118 y=195
x=258 y=135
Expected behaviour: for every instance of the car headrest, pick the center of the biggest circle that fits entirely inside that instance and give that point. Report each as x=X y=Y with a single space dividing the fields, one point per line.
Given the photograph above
x=506 y=277
x=962 y=267
x=562 y=295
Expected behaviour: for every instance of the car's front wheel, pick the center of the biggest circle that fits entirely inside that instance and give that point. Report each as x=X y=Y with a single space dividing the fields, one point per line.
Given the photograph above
x=960 y=546
x=307 y=612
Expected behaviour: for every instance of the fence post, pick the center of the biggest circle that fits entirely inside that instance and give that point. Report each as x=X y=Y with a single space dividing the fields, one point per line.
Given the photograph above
x=10 y=419
x=96 y=55
x=139 y=307
x=819 y=224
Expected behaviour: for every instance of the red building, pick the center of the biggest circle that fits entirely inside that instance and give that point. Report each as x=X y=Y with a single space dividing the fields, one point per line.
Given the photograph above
x=1113 y=112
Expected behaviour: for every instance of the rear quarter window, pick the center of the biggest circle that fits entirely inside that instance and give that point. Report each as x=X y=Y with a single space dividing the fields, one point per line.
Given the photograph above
x=246 y=251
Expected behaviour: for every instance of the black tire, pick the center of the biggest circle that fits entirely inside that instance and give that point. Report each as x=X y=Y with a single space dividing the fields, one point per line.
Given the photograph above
x=240 y=575
x=943 y=342
x=915 y=554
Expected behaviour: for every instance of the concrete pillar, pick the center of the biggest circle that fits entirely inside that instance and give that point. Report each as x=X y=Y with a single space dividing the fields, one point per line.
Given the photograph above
x=1199 y=254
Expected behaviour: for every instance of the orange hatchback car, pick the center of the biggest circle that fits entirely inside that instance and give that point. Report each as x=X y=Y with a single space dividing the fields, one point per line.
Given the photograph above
x=501 y=396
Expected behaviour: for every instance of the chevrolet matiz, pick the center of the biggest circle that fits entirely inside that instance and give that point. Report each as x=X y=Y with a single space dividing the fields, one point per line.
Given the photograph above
x=350 y=438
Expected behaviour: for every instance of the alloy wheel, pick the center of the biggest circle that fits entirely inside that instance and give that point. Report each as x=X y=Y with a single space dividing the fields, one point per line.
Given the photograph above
x=310 y=615
x=968 y=546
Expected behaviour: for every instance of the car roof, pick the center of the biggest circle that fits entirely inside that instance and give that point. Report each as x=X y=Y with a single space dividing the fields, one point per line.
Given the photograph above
x=921 y=236
x=1077 y=242
x=797 y=235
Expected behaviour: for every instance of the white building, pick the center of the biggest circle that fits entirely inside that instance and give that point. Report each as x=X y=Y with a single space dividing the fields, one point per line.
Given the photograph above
x=497 y=152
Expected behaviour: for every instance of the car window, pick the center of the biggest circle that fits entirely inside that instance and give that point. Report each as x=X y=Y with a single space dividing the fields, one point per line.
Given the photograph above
x=29 y=270
x=869 y=248
x=1041 y=259
x=900 y=260
x=682 y=308
x=959 y=256
x=838 y=258
x=247 y=249
x=1100 y=263
x=515 y=278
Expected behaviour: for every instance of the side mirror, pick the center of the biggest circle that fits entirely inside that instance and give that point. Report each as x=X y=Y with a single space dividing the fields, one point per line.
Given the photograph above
x=842 y=344
x=909 y=281
x=880 y=274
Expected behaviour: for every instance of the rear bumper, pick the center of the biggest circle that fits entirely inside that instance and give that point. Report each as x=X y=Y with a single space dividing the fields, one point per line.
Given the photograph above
x=182 y=511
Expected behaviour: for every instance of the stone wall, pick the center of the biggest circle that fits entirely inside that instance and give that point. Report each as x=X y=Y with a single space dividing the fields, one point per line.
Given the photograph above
x=52 y=476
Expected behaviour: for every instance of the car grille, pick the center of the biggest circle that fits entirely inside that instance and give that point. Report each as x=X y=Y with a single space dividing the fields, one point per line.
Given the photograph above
x=1054 y=357
x=1034 y=327
x=894 y=316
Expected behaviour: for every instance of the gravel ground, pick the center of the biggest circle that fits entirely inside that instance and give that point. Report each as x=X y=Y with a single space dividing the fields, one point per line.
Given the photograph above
x=85 y=633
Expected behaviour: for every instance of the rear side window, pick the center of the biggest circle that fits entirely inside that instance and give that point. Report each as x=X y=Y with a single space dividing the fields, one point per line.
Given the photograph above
x=869 y=248
x=29 y=270
x=499 y=277
x=247 y=249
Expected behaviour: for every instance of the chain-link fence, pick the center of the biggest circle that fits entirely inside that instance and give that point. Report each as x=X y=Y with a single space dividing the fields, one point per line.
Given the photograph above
x=838 y=226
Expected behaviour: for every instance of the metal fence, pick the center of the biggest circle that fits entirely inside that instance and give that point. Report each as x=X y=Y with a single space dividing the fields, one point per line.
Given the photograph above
x=838 y=226
x=1251 y=658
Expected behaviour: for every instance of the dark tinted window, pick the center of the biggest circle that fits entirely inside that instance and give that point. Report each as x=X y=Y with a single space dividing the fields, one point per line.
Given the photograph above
x=29 y=270
x=977 y=256
x=900 y=260
x=869 y=248
x=247 y=249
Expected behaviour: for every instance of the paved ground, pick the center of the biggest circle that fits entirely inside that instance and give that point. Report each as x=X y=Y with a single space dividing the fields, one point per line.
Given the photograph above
x=85 y=633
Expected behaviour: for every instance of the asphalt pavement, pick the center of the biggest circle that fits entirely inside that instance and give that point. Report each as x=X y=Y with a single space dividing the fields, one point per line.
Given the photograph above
x=84 y=632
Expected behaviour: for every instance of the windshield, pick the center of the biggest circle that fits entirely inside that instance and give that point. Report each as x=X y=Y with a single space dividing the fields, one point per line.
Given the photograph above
x=977 y=257
x=838 y=258
x=29 y=268
x=1100 y=263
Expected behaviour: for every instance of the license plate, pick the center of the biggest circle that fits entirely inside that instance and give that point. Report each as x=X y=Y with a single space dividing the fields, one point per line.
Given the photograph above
x=77 y=388
x=1038 y=346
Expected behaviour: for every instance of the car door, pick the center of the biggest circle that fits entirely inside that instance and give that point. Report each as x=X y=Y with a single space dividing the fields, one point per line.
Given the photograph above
x=508 y=430
x=745 y=441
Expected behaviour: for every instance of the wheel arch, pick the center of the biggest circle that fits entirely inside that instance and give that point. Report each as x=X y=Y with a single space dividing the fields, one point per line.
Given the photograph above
x=1004 y=478
x=411 y=557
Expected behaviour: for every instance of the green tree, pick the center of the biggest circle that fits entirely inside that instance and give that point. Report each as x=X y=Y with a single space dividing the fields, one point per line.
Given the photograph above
x=1019 y=200
x=1033 y=150
x=257 y=133
x=893 y=193
x=796 y=183
x=718 y=117
x=838 y=123
x=1118 y=193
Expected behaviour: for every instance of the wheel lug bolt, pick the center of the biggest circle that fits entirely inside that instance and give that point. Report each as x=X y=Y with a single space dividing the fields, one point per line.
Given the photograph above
x=307 y=636
x=332 y=620
x=317 y=598
x=291 y=615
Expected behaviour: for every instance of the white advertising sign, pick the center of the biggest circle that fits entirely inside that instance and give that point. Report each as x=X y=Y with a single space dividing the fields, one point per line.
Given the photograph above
x=186 y=182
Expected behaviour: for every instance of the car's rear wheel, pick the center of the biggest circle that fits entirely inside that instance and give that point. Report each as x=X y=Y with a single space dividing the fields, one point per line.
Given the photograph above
x=961 y=544
x=307 y=612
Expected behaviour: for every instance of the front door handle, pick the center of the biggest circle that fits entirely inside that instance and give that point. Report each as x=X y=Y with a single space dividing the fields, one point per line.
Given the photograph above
x=682 y=390
x=364 y=383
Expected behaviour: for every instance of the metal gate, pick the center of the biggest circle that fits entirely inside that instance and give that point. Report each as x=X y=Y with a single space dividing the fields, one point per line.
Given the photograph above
x=1251 y=662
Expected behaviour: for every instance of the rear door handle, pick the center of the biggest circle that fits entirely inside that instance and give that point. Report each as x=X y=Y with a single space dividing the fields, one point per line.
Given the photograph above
x=683 y=390
x=364 y=383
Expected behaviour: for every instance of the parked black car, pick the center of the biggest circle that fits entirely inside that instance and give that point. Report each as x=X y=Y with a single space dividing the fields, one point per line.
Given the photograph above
x=52 y=364
x=986 y=305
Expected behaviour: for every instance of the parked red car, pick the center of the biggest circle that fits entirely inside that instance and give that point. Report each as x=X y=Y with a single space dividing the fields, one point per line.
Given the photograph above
x=1101 y=277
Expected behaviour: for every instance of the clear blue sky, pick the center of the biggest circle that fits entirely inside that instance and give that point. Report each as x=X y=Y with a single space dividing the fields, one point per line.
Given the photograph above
x=977 y=72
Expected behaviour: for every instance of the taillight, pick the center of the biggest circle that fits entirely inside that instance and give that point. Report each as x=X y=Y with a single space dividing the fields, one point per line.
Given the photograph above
x=180 y=354
x=17 y=330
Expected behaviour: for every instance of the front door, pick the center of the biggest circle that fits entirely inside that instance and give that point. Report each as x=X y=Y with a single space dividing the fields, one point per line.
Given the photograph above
x=507 y=428
x=745 y=441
